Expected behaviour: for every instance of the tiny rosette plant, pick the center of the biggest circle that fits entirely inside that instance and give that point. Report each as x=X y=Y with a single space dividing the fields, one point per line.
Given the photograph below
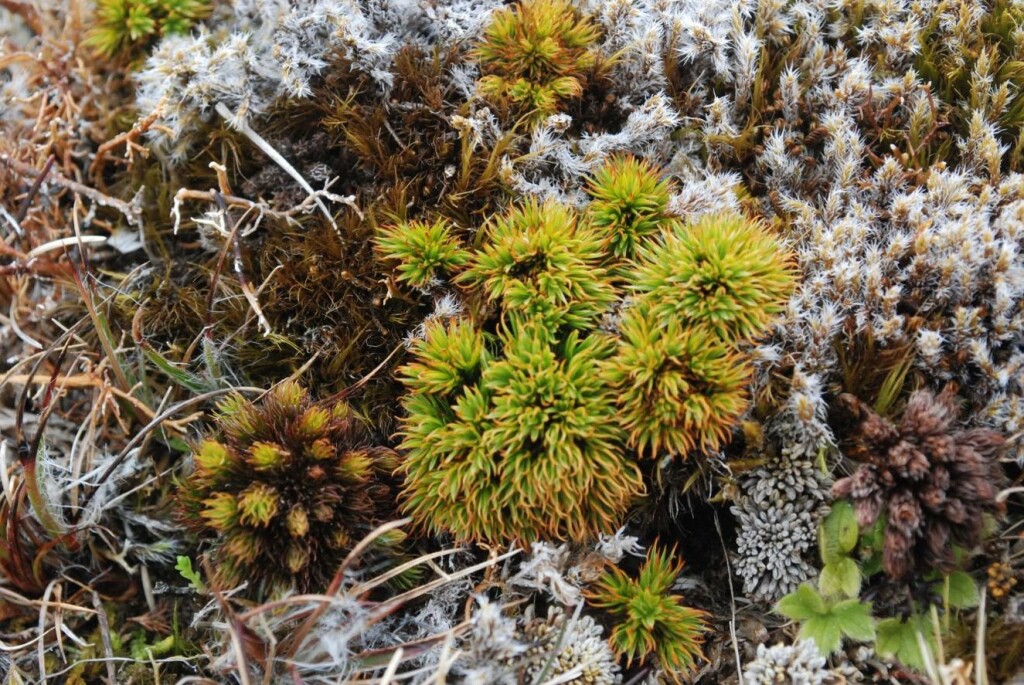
x=678 y=389
x=284 y=488
x=426 y=252
x=629 y=204
x=518 y=442
x=534 y=57
x=541 y=261
x=648 y=620
x=723 y=273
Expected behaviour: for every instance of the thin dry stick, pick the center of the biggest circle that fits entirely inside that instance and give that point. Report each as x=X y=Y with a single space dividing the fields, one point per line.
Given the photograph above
x=41 y=628
x=732 y=604
x=302 y=631
x=392 y=667
x=15 y=598
x=108 y=648
x=247 y=290
x=981 y=666
x=27 y=202
x=363 y=588
x=157 y=420
x=236 y=646
x=345 y=392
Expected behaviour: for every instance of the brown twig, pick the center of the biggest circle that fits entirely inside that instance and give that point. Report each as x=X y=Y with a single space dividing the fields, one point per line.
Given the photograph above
x=131 y=212
x=126 y=137
x=108 y=648
x=27 y=202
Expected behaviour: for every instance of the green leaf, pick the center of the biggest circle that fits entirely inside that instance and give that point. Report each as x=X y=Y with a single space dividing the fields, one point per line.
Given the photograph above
x=183 y=378
x=179 y=445
x=854 y=619
x=827 y=622
x=184 y=567
x=838 y=532
x=840 y=577
x=960 y=589
x=897 y=638
x=824 y=630
x=802 y=604
x=871 y=543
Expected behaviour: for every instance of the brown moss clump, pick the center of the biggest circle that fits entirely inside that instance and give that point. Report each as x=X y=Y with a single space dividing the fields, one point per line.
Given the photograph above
x=284 y=488
x=932 y=483
x=407 y=149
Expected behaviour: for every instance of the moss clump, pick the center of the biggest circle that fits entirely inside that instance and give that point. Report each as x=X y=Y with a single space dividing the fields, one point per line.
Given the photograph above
x=426 y=252
x=541 y=260
x=284 y=488
x=723 y=274
x=534 y=57
x=513 y=438
x=650 y=622
x=525 y=419
x=677 y=389
x=630 y=204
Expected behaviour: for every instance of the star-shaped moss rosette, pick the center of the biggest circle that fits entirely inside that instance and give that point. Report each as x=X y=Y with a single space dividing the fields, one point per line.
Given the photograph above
x=284 y=487
x=678 y=389
x=534 y=57
x=541 y=261
x=630 y=204
x=426 y=251
x=722 y=273
x=648 y=622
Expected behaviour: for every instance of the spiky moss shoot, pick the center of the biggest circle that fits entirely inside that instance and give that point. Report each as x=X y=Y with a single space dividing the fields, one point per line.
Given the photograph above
x=724 y=274
x=532 y=450
x=284 y=488
x=648 y=620
x=630 y=203
x=426 y=252
x=447 y=360
x=124 y=26
x=678 y=389
x=540 y=261
x=534 y=57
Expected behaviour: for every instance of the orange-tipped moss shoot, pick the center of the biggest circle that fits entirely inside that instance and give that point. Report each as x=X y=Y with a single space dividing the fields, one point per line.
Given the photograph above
x=725 y=274
x=284 y=488
x=678 y=389
x=426 y=252
x=121 y=26
x=534 y=57
x=531 y=450
x=648 y=620
x=540 y=261
x=630 y=203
